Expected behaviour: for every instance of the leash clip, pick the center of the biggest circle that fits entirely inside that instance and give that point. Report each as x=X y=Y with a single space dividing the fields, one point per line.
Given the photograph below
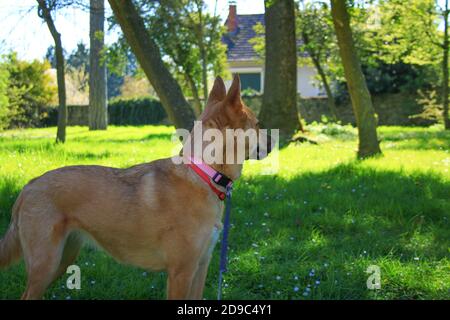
x=229 y=191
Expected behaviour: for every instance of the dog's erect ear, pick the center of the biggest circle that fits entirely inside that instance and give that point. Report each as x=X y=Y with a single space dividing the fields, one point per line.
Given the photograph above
x=233 y=98
x=218 y=91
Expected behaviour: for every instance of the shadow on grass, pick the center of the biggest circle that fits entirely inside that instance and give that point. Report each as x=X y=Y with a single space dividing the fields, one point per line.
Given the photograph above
x=316 y=230
x=337 y=223
x=419 y=140
x=147 y=138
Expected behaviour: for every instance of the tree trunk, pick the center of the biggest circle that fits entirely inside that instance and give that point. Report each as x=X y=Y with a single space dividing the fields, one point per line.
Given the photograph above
x=279 y=106
x=98 y=108
x=323 y=77
x=149 y=57
x=44 y=12
x=356 y=82
x=197 y=102
x=203 y=52
x=445 y=69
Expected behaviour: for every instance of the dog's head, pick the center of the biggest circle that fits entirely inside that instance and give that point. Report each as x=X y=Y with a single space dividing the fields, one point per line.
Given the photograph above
x=225 y=111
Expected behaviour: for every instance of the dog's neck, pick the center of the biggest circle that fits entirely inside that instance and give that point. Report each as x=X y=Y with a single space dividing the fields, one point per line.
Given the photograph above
x=232 y=171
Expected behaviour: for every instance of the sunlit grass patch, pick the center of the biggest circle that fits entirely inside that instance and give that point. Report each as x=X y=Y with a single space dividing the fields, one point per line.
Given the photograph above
x=308 y=231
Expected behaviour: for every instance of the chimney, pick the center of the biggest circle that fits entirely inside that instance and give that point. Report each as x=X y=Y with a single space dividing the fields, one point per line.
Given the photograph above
x=232 y=17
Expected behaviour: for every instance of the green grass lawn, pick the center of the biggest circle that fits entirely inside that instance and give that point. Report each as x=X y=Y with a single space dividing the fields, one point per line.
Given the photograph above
x=308 y=232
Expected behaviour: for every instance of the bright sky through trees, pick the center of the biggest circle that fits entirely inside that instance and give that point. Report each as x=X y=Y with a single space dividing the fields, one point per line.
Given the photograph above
x=23 y=31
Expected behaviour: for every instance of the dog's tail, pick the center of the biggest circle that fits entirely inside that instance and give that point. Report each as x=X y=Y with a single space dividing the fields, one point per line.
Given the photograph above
x=10 y=247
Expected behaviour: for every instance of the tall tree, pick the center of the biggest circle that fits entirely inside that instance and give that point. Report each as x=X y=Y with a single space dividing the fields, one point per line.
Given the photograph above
x=279 y=106
x=357 y=87
x=44 y=11
x=411 y=34
x=316 y=30
x=445 y=77
x=98 y=115
x=191 y=38
x=148 y=54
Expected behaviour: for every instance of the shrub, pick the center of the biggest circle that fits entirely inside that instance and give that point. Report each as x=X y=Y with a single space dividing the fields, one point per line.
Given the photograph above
x=135 y=111
x=29 y=90
x=4 y=101
x=120 y=112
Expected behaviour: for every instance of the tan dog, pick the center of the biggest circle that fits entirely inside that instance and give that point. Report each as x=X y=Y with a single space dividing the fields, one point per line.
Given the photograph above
x=158 y=215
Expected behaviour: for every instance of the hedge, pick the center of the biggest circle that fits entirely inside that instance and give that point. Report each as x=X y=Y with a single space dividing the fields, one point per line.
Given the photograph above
x=120 y=112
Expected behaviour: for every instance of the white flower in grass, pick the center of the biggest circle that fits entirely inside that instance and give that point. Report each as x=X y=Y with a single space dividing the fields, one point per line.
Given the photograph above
x=278 y=292
x=416 y=258
x=278 y=278
x=266 y=214
x=295 y=277
x=296 y=289
x=317 y=282
x=326 y=265
x=260 y=286
x=68 y=297
x=254 y=245
x=305 y=294
x=144 y=274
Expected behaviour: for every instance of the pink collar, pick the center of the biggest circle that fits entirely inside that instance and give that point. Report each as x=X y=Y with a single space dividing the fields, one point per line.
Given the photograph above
x=207 y=174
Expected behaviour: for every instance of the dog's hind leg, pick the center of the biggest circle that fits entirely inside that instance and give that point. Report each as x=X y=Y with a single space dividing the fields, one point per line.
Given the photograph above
x=43 y=248
x=70 y=253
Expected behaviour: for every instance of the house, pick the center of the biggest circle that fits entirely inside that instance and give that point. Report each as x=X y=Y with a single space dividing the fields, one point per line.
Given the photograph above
x=243 y=60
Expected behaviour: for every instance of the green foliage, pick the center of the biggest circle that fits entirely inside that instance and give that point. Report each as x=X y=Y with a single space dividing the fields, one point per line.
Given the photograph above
x=30 y=90
x=183 y=29
x=258 y=42
x=322 y=211
x=407 y=33
x=135 y=111
x=4 y=100
x=432 y=108
x=395 y=43
x=315 y=29
x=78 y=66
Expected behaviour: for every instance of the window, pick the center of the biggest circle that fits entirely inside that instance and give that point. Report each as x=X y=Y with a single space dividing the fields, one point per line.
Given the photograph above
x=251 y=81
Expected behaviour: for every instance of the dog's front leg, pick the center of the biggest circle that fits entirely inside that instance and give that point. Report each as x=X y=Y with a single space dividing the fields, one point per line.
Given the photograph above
x=198 y=283
x=179 y=281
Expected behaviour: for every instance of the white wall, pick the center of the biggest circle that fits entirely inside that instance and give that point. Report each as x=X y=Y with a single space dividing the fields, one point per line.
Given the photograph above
x=306 y=83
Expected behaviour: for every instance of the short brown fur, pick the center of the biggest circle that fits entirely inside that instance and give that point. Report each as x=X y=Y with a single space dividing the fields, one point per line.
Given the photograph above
x=138 y=215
